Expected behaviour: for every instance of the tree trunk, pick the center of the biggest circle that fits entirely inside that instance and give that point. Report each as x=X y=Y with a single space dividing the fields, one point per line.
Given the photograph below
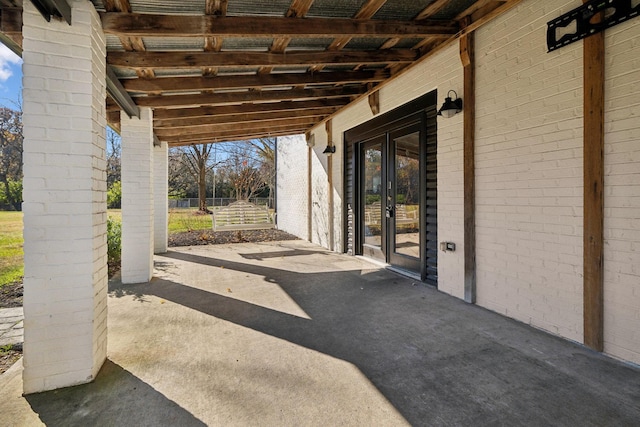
x=202 y=189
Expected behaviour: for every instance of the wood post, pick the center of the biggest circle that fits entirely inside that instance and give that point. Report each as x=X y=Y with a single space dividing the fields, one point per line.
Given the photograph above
x=329 y=129
x=469 y=107
x=593 y=299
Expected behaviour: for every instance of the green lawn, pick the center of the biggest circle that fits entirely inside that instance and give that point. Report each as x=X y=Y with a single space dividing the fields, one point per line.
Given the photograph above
x=179 y=220
x=12 y=255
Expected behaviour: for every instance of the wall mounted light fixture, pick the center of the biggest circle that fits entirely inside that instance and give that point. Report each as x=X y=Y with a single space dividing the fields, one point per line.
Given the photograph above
x=451 y=107
x=330 y=149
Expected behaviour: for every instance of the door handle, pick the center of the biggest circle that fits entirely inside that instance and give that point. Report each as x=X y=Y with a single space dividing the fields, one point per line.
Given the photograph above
x=389 y=211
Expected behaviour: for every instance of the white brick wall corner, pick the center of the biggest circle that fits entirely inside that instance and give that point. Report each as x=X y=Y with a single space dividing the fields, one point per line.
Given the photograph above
x=137 y=197
x=161 y=198
x=65 y=209
x=292 y=182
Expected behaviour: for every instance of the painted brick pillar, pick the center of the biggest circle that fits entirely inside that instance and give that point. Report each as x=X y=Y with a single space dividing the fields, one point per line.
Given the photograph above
x=65 y=209
x=137 y=197
x=161 y=198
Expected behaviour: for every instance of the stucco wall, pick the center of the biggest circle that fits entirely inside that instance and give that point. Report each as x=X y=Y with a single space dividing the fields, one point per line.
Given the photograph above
x=529 y=173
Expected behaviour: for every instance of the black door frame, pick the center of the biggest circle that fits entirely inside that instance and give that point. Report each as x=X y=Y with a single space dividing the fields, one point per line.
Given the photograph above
x=411 y=113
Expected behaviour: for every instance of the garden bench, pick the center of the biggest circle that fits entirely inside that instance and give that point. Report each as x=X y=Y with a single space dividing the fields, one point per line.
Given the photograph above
x=242 y=215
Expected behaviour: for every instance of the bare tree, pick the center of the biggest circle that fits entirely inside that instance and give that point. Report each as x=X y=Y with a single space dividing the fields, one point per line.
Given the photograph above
x=114 y=152
x=196 y=159
x=244 y=168
x=11 y=138
x=266 y=150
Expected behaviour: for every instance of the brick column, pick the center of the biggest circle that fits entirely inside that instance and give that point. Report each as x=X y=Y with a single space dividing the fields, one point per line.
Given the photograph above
x=65 y=209
x=161 y=197
x=137 y=197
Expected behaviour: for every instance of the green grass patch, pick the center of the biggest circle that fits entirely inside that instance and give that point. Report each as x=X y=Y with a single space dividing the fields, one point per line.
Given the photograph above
x=11 y=251
x=188 y=220
x=179 y=219
x=11 y=240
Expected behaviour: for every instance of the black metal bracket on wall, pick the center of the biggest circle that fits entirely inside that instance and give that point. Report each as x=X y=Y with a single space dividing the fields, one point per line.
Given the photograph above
x=578 y=24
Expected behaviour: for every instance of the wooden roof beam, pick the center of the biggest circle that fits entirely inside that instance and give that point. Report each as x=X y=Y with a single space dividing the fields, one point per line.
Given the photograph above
x=236 y=133
x=174 y=101
x=186 y=84
x=258 y=59
x=270 y=107
x=11 y=28
x=152 y=25
x=240 y=118
x=242 y=127
x=230 y=137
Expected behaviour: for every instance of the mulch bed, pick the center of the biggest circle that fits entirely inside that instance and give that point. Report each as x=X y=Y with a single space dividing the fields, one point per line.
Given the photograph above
x=11 y=295
x=207 y=237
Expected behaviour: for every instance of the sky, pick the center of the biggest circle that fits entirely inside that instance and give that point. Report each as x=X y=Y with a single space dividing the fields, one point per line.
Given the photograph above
x=10 y=78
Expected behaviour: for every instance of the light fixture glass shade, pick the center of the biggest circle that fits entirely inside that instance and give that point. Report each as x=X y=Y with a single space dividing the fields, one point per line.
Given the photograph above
x=451 y=106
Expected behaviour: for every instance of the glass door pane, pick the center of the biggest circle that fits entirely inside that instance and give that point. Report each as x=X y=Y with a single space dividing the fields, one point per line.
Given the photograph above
x=372 y=197
x=405 y=227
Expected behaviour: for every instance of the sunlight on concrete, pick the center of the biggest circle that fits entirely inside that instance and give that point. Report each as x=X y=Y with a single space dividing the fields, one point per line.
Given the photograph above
x=249 y=287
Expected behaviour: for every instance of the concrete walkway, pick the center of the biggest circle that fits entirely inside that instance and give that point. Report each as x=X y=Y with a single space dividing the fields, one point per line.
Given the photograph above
x=11 y=326
x=288 y=334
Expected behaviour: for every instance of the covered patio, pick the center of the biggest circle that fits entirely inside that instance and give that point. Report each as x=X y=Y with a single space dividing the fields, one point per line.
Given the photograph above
x=288 y=333
x=527 y=204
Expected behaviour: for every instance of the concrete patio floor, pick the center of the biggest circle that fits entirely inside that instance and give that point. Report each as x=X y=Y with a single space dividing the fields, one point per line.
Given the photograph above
x=287 y=333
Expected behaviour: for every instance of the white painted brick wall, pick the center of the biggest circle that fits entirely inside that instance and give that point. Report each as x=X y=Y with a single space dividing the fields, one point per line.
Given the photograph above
x=161 y=197
x=622 y=192
x=319 y=192
x=529 y=170
x=65 y=199
x=137 y=197
x=292 y=182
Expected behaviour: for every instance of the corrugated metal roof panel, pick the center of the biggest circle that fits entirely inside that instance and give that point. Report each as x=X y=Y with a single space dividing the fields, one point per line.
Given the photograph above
x=246 y=43
x=178 y=72
x=400 y=9
x=253 y=7
x=358 y=43
x=172 y=7
x=453 y=8
x=335 y=8
x=173 y=43
x=309 y=43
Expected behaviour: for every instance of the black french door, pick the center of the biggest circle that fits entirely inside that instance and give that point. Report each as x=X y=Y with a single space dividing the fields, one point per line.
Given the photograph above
x=392 y=197
x=391 y=188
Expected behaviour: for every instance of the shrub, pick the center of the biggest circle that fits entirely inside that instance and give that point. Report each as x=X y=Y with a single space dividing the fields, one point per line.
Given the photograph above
x=114 y=195
x=114 y=244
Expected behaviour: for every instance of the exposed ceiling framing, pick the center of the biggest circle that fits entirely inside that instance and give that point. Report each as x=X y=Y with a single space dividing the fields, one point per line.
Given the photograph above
x=241 y=69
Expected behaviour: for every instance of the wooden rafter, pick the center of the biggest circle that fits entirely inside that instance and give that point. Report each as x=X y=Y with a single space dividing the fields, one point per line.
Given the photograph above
x=150 y=25
x=231 y=136
x=175 y=101
x=240 y=118
x=187 y=84
x=290 y=107
x=131 y=44
x=185 y=60
x=367 y=10
x=204 y=129
x=298 y=9
x=213 y=44
x=240 y=130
